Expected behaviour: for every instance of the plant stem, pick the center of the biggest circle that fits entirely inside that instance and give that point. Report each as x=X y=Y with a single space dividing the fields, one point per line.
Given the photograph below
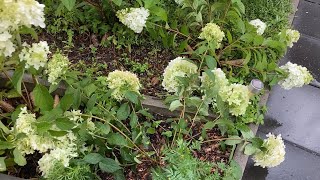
x=122 y=133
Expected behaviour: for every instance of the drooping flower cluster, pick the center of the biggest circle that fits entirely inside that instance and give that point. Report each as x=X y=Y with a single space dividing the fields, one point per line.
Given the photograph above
x=134 y=18
x=179 y=67
x=292 y=36
x=237 y=96
x=13 y=15
x=274 y=153
x=297 y=76
x=57 y=67
x=35 y=56
x=32 y=141
x=259 y=25
x=212 y=32
x=120 y=82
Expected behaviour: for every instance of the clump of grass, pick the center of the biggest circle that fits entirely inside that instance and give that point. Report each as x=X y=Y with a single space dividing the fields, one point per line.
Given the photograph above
x=273 y=12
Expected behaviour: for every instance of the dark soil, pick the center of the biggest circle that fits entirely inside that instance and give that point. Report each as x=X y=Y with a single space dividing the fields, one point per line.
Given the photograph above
x=87 y=55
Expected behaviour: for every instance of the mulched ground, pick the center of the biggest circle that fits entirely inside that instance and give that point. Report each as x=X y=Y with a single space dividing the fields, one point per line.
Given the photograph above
x=88 y=55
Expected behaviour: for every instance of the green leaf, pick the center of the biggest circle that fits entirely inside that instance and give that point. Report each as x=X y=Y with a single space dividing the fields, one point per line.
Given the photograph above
x=93 y=158
x=117 y=2
x=132 y=96
x=51 y=115
x=17 y=79
x=211 y=62
x=245 y=131
x=57 y=133
x=88 y=90
x=19 y=158
x=249 y=149
x=117 y=139
x=91 y=102
x=160 y=12
x=6 y=145
x=133 y=120
x=29 y=30
x=167 y=133
x=209 y=125
x=42 y=98
x=69 y=4
x=66 y=102
x=109 y=165
x=3 y=166
x=4 y=128
x=43 y=126
x=65 y=124
x=175 y=104
x=123 y=112
x=76 y=99
x=233 y=140
x=104 y=128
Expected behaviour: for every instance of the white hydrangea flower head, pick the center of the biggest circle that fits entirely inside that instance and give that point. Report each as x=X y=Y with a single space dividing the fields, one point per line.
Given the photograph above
x=292 y=36
x=32 y=141
x=212 y=32
x=74 y=115
x=237 y=96
x=179 y=67
x=259 y=25
x=35 y=56
x=134 y=18
x=24 y=122
x=31 y=13
x=58 y=155
x=220 y=79
x=6 y=45
x=57 y=66
x=297 y=76
x=274 y=153
x=14 y=14
x=121 y=82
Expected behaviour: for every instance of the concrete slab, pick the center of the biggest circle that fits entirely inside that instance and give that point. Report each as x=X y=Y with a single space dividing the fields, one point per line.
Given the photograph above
x=307 y=18
x=296 y=115
x=314 y=1
x=306 y=52
x=298 y=165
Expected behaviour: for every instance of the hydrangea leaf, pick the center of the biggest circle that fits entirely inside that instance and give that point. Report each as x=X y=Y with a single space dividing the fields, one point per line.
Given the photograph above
x=19 y=158
x=109 y=165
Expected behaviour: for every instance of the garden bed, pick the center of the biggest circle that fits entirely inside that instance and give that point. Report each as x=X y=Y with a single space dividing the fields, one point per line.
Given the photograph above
x=94 y=118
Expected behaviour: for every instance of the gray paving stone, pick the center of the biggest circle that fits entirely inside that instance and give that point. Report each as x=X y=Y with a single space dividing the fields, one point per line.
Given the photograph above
x=298 y=165
x=306 y=52
x=296 y=115
x=307 y=18
x=314 y=1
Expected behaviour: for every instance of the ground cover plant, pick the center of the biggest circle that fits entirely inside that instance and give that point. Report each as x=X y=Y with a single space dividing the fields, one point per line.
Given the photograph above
x=98 y=128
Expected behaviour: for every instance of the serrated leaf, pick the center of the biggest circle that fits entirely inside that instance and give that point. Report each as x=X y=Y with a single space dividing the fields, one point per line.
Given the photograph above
x=109 y=165
x=69 y=4
x=233 y=140
x=133 y=120
x=209 y=125
x=123 y=112
x=91 y=102
x=19 y=158
x=43 y=126
x=211 y=62
x=65 y=124
x=117 y=2
x=117 y=139
x=42 y=98
x=17 y=79
x=93 y=158
x=175 y=104
x=249 y=149
x=88 y=90
x=132 y=96
x=66 y=102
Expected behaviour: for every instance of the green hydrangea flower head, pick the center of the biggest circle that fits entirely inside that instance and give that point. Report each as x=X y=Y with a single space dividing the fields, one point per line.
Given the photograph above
x=121 y=82
x=57 y=66
x=292 y=36
x=237 y=96
x=179 y=67
x=212 y=32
